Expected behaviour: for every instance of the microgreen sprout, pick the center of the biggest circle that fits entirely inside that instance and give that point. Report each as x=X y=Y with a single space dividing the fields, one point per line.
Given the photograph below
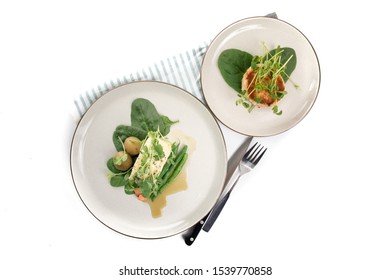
x=120 y=157
x=276 y=110
x=267 y=69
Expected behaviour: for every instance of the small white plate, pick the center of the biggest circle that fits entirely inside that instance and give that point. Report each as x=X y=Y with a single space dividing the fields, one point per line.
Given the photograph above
x=249 y=35
x=92 y=146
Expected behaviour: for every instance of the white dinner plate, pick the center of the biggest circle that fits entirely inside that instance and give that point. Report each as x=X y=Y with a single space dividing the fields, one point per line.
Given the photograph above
x=249 y=35
x=92 y=146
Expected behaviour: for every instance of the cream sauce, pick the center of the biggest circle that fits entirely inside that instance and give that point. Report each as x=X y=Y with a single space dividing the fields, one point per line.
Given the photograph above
x=180 y=182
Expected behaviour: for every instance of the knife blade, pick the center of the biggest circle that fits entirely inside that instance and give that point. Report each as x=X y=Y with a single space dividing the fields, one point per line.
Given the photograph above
x=232 y=165
x=235 y=159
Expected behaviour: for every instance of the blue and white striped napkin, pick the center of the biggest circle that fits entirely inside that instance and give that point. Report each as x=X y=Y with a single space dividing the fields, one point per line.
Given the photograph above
x=182 y=70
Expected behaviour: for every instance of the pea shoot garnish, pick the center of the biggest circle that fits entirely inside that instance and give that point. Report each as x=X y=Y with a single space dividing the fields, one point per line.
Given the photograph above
x=258 y=80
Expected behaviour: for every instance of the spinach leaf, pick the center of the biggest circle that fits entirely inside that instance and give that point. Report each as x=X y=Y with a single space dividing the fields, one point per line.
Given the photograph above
x=167 y=125
x=123 y=131
x=111 y=166
x=145 y=116
x=285 y=56
x=232 y=64
x=118 y=181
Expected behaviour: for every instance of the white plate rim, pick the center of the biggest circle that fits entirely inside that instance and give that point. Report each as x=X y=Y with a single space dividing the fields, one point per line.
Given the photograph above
x=258 y=18
x=101 y=99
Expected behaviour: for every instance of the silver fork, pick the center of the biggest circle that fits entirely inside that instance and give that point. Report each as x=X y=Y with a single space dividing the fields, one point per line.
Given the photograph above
x=247 y=163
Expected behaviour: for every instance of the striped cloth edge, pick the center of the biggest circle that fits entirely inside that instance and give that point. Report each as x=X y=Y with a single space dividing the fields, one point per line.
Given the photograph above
x=182 y=70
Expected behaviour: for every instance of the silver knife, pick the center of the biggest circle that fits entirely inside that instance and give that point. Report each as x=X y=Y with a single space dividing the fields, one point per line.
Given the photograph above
x=232 y=165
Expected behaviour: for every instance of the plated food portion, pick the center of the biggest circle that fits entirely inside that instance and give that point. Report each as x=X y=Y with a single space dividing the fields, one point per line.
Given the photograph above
x=259 y=80
x=171 y=161
x=147 y=161
x=260 y=76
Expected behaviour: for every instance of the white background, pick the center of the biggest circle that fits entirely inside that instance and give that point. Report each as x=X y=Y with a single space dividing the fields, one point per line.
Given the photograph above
x=317 y=207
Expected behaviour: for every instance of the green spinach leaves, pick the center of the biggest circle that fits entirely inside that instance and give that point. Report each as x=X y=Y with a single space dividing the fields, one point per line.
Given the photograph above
x=233 y=64
x=287 y=55
x=144 y=118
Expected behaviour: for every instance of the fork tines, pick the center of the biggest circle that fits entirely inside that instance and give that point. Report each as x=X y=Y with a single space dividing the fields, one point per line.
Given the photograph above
x=254 y=154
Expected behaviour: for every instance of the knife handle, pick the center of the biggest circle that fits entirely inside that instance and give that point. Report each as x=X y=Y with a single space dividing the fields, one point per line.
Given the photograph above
x=215 y=213
x=191 y=236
